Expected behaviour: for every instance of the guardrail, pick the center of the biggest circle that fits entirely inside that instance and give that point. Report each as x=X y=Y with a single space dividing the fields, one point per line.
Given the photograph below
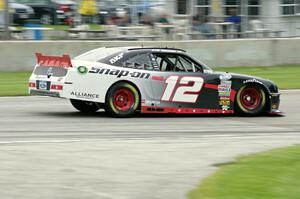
x=20 y=55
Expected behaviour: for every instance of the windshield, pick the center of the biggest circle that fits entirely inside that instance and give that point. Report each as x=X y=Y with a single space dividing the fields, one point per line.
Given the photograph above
x=97 y=54
x=206 y=69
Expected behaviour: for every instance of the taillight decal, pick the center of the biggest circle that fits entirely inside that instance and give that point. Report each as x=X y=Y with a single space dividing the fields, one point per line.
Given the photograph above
x=56 y=87
x=32 y=85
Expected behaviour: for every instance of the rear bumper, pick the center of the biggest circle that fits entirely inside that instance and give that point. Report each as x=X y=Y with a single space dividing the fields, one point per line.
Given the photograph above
x=44 y=93
x=45 y=88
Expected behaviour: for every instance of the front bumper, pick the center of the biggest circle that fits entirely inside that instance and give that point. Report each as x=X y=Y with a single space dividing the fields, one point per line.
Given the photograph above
x=274 y=103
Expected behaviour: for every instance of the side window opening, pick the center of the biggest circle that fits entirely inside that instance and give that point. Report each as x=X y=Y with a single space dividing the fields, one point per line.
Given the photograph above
x=187 y=64
x=164 y=62
x=176 y=63
x=192 y=65
x=139 y=61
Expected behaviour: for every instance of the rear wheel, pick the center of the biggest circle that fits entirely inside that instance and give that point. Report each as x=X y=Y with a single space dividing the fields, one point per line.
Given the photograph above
x=250 y=100
x=85 y=106
x=122 y=100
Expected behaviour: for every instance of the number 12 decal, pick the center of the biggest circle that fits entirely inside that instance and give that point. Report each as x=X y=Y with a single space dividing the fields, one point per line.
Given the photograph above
x=184 y=92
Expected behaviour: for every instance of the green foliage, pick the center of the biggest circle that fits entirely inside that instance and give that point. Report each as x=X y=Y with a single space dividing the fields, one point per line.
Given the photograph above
x=13 y=83
x=270 y=175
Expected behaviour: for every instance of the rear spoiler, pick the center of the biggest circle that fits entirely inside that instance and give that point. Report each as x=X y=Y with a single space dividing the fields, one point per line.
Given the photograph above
x=53 y=61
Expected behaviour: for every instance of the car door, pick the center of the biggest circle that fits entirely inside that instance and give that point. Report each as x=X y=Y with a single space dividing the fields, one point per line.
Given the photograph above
x=182 y=83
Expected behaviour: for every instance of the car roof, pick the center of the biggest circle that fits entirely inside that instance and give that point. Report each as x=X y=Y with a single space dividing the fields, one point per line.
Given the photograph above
x=131 y=48
x=156 y=48
x=100 y=53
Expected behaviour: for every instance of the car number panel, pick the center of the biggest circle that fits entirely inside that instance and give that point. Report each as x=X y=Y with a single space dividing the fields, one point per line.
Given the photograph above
x=186 y=90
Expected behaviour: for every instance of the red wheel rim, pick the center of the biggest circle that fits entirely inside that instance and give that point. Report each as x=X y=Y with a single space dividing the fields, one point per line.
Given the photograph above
x=250 y=98
x=123 y=99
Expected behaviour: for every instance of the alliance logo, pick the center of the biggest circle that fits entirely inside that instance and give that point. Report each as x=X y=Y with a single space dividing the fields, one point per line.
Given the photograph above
x=85 y=95
x=82 y=70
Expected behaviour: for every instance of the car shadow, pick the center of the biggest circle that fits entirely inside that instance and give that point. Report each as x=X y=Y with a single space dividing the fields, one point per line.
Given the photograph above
x=103 y=114
x=74 y=114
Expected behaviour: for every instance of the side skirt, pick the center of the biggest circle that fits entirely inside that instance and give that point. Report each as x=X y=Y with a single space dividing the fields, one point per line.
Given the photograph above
x=164 y=110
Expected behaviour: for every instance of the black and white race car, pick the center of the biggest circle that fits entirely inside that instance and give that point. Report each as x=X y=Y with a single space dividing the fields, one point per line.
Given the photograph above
x=126 y=80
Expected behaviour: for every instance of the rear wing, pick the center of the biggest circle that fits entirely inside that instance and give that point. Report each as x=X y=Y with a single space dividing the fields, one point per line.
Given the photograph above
x=54 y=61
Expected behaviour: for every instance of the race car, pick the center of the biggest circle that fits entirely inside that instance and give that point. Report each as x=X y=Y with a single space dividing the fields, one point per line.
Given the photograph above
x=127 y=80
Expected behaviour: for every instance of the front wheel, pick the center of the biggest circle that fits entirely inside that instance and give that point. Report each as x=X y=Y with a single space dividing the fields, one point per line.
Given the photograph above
x=122 y=100
x=85 y=106
x=250 y=100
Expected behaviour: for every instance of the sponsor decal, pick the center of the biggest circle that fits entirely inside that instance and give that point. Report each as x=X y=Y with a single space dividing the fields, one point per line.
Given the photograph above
x=224 y=90
x=224 y=94
x=164 y=50
x=43 y=85
x=116 y=58
x=40 y=77
x=82 y=70
x=252 y=81
x=224 y=102
x=225 y=107
x=49 y=72
x=151 y=103
x=224 y=98
x=119 y=73
x=83 y=95
x=225 y=76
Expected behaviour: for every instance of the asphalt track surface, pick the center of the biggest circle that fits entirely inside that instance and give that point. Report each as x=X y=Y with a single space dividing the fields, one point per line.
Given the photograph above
x=48 y=150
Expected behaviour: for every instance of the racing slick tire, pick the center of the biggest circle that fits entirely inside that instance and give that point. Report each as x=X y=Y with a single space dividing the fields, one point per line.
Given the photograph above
x=122 y=100
x=250 y=100
x=85 y=106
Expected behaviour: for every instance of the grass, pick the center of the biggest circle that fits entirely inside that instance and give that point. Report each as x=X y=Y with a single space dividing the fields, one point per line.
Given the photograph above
x=13 y=83
x=287 y=77
x=268 y=175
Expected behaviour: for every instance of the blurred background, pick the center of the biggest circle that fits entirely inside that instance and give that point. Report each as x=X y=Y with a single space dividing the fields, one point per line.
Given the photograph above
x=148 y=19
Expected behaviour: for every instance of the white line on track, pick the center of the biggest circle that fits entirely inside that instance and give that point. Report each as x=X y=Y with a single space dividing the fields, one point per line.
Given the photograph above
x=243 y=136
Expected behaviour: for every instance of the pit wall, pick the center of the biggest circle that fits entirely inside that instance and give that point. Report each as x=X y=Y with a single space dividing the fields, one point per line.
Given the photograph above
x=20 y=55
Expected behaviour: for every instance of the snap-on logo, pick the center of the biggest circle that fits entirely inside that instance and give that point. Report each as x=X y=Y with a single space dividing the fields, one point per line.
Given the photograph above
x=119 y=73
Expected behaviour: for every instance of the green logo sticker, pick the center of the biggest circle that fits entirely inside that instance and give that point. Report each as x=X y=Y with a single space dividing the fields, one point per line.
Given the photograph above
x=82 y=70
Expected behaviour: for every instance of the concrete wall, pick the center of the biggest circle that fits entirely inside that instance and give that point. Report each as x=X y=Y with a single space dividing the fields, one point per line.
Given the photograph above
x=19 y=55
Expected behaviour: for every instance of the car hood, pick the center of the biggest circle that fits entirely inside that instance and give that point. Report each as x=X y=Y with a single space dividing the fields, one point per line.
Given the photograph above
x=239 y=76
x=247 y=79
